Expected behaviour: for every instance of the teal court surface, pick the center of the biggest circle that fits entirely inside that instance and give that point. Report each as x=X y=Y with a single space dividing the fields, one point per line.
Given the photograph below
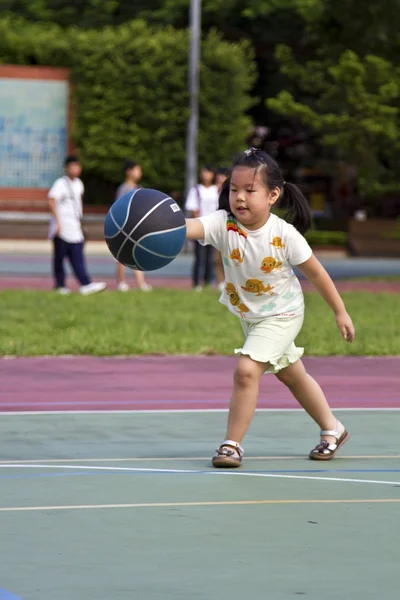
x=125 y=505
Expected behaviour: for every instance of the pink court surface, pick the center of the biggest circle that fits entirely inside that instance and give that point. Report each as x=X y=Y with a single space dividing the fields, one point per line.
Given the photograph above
x=107 y=489
x=185 y=383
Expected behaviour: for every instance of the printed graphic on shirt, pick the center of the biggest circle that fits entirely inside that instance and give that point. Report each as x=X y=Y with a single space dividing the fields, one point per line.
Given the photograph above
x=255 y=286
x=277 y=242
x=235 y=300
x=231 y=225
x=269 y=255
x=268 y=307
x=236 y=256
x=269 y=264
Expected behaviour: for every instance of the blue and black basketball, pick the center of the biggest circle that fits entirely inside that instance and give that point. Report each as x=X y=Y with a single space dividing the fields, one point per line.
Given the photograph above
x=145 y=229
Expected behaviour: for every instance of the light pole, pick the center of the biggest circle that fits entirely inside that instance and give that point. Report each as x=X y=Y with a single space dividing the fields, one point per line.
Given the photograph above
x=193 y=123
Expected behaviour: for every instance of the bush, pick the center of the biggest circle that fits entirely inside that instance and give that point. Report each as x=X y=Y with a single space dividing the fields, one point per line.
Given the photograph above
x=326 y=238
x=130 y=94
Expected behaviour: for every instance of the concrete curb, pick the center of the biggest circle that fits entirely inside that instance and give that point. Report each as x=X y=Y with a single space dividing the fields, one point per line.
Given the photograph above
x=99 y=248
x=44 y=247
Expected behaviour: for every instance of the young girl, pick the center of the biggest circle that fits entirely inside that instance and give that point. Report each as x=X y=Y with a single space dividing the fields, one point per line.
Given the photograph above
x=262 y=290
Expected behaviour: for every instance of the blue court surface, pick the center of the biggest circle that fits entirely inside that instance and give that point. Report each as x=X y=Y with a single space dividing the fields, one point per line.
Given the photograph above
x=126 y=505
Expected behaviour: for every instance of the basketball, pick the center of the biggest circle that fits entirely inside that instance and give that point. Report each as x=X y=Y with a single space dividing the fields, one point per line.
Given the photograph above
x=145 y=229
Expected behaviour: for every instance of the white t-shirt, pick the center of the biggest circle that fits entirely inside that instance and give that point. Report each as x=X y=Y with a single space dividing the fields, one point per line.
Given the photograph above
x=67 y=194
x=259 y=280
x=203 y=199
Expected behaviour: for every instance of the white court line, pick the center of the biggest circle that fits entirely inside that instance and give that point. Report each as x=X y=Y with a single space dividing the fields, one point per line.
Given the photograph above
x=178 y=410
x=182 y=459
x=193 y=471
x=200 y=503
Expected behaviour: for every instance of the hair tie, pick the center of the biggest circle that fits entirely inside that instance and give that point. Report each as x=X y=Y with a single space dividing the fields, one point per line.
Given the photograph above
x=283 y=184
x=252 y=150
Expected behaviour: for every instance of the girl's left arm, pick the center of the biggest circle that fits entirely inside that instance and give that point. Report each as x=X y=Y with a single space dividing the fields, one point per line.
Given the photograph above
x=317 y=275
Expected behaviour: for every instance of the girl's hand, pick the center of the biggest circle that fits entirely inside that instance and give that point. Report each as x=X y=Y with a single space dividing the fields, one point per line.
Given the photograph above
x=346 y=327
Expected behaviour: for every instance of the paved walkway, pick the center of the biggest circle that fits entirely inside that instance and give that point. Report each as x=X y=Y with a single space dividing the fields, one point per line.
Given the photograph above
x=27 y=265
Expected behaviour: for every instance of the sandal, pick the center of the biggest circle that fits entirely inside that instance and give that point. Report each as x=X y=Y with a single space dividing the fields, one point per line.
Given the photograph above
x=229 y=455
x=326 y=450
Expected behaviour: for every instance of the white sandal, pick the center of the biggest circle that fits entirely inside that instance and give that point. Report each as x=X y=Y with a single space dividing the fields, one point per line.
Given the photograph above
x=229 y=455
x=325 y=450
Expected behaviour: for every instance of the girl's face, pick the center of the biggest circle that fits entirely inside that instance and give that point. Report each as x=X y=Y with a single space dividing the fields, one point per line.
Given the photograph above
x=135 y=174
x=220 y=178
x=206 y=177
x=250 y=201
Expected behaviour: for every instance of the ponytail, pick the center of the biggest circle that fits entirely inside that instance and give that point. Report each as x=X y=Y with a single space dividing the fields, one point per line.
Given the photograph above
x=298 y=211
x=223 y=200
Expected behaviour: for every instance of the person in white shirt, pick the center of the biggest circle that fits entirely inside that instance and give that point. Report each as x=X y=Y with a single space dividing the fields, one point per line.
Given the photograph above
x=258 y=250
x=133 y=175
x=65 y=203
x=201 y=201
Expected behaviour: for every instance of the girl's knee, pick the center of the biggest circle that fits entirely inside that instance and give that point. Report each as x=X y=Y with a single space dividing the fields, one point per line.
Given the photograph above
x=246 y=371
x=291 y=375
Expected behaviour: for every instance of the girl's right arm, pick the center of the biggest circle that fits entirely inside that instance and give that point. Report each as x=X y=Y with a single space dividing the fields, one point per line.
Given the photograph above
x=194 y=229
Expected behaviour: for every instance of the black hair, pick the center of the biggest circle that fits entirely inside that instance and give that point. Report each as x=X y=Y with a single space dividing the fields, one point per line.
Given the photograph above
x=208 y=168
x=129 y=164
x=298 y=211
x=71 y=158
x=223 y=171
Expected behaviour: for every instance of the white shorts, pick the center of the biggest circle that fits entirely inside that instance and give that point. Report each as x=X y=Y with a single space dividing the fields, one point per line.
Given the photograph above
x=272 y=341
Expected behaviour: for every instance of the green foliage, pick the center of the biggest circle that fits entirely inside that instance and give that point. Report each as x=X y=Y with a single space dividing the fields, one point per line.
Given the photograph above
x=345 y=90
x=364 y=27
x=97 y=13
x=130 y=94
x=326 y=238
x=352 y=104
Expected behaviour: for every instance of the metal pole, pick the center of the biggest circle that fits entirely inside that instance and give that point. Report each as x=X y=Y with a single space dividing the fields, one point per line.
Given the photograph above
x=193 y=123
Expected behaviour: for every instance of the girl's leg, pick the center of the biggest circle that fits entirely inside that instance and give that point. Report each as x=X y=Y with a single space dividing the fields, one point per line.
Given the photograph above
x=243 y=403
x=309 y=394
x=241 y=410
x=141 y=282
x=120 y=273
x=198 y=255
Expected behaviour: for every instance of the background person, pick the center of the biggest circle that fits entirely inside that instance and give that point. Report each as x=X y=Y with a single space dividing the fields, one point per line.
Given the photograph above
x=65 y=203
x=202 y=200
x=133 y=175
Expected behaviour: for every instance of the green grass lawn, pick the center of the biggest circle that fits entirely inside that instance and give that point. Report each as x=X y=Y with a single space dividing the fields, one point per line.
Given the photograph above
x=177 y=322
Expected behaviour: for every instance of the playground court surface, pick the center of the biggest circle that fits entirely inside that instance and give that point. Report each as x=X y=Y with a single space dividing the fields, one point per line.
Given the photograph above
x=107 y=489
x=108 y=492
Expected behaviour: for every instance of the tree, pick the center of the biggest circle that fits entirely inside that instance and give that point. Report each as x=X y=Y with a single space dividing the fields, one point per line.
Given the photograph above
x=364 y=27
x=131 y=98
x=352 y=106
